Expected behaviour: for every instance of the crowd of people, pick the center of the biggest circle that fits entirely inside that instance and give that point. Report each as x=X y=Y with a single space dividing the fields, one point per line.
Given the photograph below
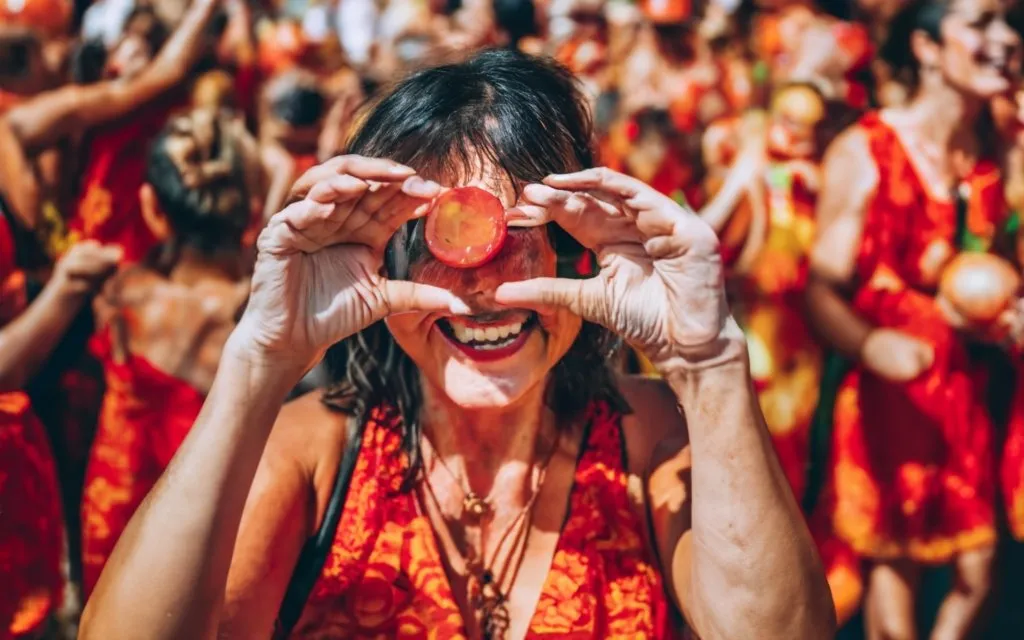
x=150 y=150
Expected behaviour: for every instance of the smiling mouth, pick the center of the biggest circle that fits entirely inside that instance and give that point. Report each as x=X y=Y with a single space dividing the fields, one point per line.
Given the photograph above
x=488 y=337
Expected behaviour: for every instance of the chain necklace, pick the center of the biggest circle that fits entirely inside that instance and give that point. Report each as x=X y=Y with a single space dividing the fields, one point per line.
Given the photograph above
x=488 y=587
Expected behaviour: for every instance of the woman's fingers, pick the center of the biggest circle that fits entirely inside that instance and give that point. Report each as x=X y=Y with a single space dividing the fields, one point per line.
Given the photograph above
x=356 y=166
x=593 y=221
x=579 y=296
x=404 y=296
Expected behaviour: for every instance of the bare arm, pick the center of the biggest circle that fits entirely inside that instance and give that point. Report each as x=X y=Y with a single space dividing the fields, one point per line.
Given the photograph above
x=848 y=183
x=74 y=109
x=27 y=342
x=186 y=528
x=732 y=541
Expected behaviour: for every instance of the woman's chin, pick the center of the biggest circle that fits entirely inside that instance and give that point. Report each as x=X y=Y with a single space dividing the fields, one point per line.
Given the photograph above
x=473 y=389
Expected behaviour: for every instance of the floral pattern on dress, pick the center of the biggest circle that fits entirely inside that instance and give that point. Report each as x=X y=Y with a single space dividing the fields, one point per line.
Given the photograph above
x=384 y=576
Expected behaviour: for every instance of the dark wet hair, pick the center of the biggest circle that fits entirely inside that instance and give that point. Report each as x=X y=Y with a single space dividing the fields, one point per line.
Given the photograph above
x=522 y=114
x=898 y=51
x=208 y=209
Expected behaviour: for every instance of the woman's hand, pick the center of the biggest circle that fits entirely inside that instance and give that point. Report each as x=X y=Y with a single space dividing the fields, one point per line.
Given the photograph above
x=85 y=267
x=896 y=356
x=318 y=274
x=661 y=281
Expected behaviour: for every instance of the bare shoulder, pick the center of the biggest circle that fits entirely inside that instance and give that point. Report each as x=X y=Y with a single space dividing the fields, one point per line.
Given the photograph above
x=311 y=436
x=655 y=422
x=850 y=177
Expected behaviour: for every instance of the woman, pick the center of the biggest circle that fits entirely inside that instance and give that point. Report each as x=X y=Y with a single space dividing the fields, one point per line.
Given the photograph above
x=536 y=426
x=162 y=324
x=904 y=191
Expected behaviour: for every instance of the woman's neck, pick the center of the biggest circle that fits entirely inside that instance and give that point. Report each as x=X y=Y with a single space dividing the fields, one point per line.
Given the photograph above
x=945 y=119
x=488 y=446
x=193 y=268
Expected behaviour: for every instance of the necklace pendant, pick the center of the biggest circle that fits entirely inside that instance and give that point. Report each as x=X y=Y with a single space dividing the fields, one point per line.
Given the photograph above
x=475 y=507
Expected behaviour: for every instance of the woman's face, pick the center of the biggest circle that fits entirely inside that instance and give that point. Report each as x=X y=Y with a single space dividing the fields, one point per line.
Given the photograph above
x=495 y=357
x=979 y=52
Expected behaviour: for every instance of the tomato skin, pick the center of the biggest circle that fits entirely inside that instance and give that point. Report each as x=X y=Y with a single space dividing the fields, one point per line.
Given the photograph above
x=466 y=227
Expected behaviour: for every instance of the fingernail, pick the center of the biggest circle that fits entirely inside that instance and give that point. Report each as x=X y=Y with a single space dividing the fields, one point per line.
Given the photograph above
x=401 y=170
x=460 y=307
x=417 y=186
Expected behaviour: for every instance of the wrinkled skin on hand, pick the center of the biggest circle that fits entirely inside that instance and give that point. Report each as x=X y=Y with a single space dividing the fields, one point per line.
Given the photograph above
x=661 y=281
x=318 y=278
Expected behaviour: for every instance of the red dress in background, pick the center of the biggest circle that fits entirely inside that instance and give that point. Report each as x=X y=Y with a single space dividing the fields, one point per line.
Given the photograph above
x=912 y=467
x=31 y=526
x=108 y=209
x=384 y=576
x=146 y=415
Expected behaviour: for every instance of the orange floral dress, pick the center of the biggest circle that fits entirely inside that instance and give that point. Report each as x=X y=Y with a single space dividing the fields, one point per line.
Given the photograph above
x=31 y=526
x=384 y=576
x=911 y=465
x=145 y=417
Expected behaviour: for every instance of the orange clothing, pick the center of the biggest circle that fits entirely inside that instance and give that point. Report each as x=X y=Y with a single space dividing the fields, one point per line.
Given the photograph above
x=145 y=417
x=108 y=209
x=384 y=576
x=31 y=526
x=911 y=466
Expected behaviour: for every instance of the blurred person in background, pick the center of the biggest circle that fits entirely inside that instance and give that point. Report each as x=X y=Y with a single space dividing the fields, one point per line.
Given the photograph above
x=162 y=323
x=904 y=193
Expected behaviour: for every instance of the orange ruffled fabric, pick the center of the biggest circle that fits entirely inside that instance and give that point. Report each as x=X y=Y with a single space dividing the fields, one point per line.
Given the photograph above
x=384 y=576
x=911 y=468
x=145 y=417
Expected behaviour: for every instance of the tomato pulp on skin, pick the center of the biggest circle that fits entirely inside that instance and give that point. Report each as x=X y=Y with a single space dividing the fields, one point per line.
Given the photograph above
x=466 y=227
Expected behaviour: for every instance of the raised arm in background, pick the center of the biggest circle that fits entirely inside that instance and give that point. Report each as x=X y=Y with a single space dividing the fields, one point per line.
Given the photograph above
x=72 y=110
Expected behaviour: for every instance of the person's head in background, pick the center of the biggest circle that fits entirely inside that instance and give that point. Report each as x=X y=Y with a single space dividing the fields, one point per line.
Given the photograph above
x=292 y=111
x=964 y=45
x=142 y=35
x=197 y=200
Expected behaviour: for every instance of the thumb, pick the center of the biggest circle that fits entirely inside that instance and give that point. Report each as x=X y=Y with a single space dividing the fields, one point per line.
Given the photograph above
x=575 y=295
x=404 y=296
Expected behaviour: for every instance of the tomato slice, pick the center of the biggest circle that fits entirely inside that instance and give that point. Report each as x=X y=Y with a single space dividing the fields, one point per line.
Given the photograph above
x=466 y=227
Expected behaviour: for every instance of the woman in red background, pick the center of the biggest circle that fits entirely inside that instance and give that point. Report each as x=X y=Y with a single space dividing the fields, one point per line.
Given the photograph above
x=162 y=324
x=904 y=191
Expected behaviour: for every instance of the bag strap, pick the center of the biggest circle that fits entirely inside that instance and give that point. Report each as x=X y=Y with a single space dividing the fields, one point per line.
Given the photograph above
x=314 y=552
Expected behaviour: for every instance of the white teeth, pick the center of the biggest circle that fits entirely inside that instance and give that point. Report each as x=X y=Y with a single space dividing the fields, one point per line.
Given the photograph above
x=487 y=337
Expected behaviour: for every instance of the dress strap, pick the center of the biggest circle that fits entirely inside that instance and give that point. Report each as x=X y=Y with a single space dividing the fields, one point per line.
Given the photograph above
x=314 y=553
